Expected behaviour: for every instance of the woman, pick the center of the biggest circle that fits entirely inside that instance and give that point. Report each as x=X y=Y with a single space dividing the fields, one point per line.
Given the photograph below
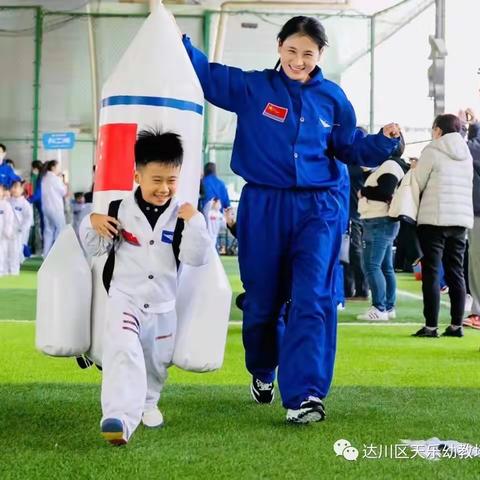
x=379 y=233
x=53 y=191
x=445 y=177
x=291 y=124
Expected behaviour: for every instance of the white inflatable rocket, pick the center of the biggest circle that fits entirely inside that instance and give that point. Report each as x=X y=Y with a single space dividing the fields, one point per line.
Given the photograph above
x=154 y=85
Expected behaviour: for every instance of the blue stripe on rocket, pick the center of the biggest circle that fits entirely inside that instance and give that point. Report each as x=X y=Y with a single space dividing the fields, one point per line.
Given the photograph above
x=152 y=102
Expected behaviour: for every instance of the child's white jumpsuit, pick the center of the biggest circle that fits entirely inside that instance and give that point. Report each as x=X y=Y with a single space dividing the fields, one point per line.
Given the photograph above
x=141 y=318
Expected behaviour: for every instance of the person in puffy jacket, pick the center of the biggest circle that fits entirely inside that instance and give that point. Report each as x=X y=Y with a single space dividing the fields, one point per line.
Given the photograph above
x=444 y=174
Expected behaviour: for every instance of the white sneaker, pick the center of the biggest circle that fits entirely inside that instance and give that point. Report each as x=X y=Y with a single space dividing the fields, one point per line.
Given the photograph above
x=152 y=418
x=392 y=314
x=373 y=314
x=468 y=303
x=311 y=410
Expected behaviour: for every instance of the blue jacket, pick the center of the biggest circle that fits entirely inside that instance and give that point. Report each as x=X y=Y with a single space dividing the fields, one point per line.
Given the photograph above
x=213 y=187
x=288 y=133
x=7 y=175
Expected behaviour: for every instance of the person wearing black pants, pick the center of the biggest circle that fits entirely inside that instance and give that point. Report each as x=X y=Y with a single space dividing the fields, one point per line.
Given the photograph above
x=449 y=243
x=355 y=281
x=444 y=174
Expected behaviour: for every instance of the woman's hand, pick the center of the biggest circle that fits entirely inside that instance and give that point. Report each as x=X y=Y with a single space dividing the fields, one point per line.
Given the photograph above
x=392 y=130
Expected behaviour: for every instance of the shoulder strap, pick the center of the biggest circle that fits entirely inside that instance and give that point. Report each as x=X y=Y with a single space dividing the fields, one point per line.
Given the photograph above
x=110 y=263
x=177 y=238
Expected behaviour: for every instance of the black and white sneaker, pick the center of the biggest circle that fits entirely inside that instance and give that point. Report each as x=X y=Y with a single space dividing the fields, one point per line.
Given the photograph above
x=311 y=410
x=262 y=392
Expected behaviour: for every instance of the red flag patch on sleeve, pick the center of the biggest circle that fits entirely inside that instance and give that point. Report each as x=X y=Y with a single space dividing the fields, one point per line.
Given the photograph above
x=115 y=163
x=275 y=112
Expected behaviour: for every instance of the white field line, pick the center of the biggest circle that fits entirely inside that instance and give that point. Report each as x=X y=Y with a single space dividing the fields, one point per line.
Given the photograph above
x=237 y=323
x=403 y=293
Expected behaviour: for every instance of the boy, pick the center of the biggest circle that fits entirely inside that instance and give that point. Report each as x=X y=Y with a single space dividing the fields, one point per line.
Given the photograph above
x=23 y=220
x=79 y=210
x=6 y=228
x=155 y=235
x=214 y=218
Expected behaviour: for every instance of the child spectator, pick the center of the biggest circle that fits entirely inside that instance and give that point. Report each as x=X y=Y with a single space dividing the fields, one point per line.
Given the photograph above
x=23 y=220
x=152 y=236
x=6 y=228
x=214 y=218
x=79 y=209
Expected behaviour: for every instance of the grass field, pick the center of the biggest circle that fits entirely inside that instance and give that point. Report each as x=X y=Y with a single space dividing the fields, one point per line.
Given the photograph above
x=387 y=387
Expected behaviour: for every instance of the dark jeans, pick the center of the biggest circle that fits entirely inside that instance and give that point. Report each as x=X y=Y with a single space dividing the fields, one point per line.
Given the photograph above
x=449 y=243
x=354 y=275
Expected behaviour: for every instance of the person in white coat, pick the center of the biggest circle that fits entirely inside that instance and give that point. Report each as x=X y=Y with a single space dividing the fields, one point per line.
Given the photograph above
x=7 y=223
x=444 y=174
x=154 y=236
x=23 y=220
x=53 y=192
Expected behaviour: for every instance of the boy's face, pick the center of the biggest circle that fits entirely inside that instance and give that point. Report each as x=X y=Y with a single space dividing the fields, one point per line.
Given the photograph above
x=16 y=190
x=158 y=182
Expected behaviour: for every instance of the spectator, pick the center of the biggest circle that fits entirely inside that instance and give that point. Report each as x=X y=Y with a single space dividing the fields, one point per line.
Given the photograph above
x=356 y=285
x=7 y=175
x=213 y=187
x=380 y=231
x=473 y=143
x=53 y=192
x=444 y=175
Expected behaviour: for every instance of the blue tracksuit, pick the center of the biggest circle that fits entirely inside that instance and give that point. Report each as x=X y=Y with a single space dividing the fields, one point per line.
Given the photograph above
x=7 y=175
x=289 y=219
x=213 y=187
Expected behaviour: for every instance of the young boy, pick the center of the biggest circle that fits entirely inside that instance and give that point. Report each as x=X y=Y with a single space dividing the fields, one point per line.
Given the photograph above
x=6 y=228
x=79 y=210
x=214 y=218
x=23 y=220
x=155 y=235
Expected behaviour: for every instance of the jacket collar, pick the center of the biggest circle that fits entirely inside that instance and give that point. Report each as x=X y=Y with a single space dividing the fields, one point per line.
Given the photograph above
x=316 y=77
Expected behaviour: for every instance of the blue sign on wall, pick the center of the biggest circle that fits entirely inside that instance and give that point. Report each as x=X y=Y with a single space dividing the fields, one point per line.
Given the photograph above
x=58 y=141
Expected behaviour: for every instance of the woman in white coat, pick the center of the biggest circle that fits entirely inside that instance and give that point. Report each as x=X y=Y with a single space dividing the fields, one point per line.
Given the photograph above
x=53 y=192
x=444 y=174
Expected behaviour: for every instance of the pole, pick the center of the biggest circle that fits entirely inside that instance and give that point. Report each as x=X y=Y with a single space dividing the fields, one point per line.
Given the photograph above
x=36 y=81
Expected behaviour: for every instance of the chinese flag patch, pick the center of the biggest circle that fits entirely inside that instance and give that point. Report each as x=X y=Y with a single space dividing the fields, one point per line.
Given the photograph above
x=275 y=112
x=115 y=163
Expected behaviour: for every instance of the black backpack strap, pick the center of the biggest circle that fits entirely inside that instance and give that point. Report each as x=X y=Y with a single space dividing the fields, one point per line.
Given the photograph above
x=110 y=263
x=177 y=238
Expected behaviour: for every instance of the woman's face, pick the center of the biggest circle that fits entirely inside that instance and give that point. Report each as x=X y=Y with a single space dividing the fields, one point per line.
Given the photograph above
x=436 y=133
x=299 y=55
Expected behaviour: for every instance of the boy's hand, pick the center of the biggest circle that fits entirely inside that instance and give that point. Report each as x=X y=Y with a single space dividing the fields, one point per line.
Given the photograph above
x=104 y=225
x=187 y=211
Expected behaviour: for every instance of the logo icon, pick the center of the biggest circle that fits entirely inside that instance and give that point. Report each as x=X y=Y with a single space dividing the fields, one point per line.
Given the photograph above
x=324 y=123
x=167 y=237
x=344 y=448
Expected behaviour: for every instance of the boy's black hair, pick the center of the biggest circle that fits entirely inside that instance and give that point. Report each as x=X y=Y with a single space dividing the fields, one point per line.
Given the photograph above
x=154 y=146
x=78 y=195
x=3 y=147
x=37 y=164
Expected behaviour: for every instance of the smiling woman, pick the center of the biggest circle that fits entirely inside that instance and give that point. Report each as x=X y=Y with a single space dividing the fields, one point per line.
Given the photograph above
x=293 y=125
x=300 y=46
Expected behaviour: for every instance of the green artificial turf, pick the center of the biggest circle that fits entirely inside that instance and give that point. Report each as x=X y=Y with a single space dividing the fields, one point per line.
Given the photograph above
x=387 y=387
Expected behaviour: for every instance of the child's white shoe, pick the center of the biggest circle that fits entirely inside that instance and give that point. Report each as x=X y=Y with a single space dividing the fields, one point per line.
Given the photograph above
x=152 y=418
